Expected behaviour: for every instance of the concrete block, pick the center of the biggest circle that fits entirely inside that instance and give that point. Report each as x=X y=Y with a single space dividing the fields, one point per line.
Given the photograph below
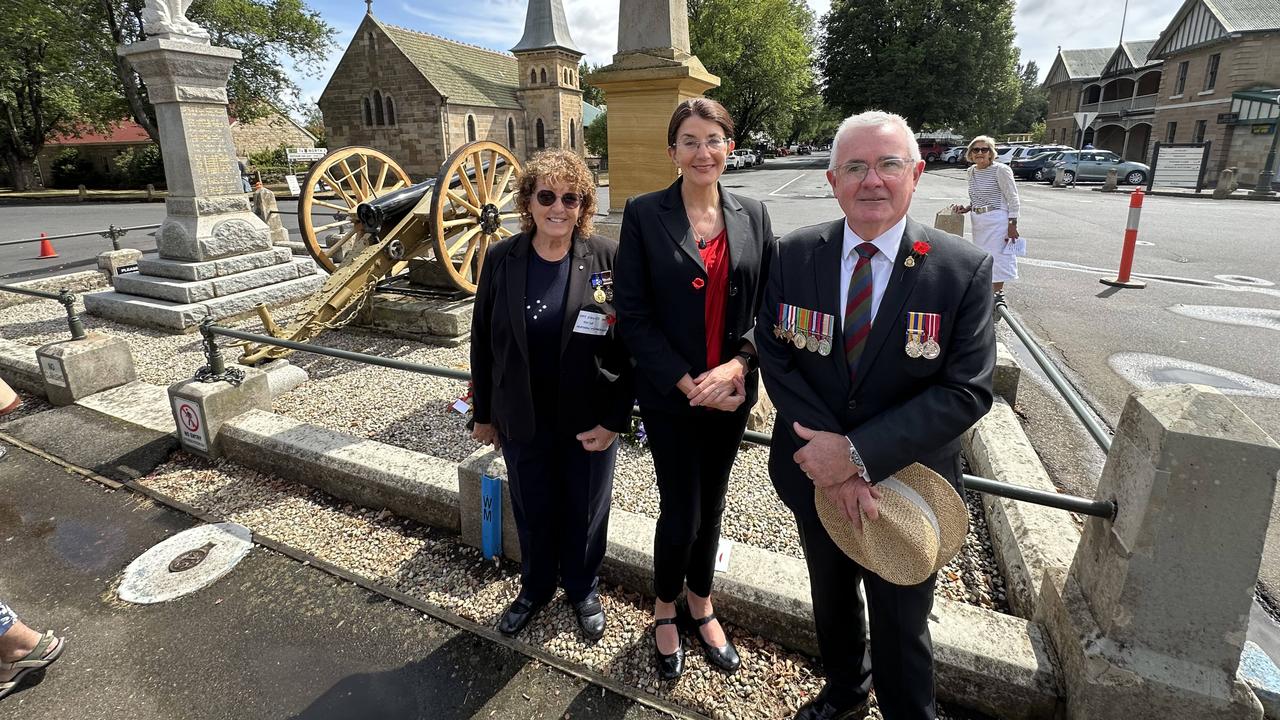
x=137 y=403
x=210 y=237
x=113 y=262
x=184 y=317
x=200 y=409
x=1113 y=179
x=77 y=282
x=252 y=279
x=1007 y=374
x=1263 y=677
x=73 y=369
x=283 y=376
x=486 y=461
x=438 y=321
x=19 y=367
x=108 y=445
x=189 y=291
x=1027 y=539
x=182 y=270
x=410 y=484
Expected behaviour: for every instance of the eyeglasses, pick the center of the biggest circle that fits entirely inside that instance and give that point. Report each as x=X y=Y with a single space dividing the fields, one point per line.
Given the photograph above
x=713 y=144
x=886 y=168
x=546 y=198
x=980 y=150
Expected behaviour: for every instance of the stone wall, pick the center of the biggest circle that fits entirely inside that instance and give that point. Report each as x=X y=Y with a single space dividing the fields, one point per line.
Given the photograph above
x=557 y=102
x=372 y=62
x=268 y=133
x=1064 y=101
x=491 y=124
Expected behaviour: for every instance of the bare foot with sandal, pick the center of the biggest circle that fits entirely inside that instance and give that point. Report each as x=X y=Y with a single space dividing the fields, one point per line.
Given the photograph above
x=23 y=650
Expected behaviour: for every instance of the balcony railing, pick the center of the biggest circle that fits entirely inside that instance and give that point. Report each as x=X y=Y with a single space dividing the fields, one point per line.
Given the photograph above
x=1123 y=105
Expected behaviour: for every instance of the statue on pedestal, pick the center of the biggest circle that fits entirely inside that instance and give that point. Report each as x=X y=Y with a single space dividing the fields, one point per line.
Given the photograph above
x=169 y=17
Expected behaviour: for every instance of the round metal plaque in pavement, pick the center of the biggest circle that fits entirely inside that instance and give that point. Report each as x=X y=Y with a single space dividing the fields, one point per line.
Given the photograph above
x=184 y=563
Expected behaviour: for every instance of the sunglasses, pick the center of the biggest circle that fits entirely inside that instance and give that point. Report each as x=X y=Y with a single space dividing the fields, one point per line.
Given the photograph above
x=546 y=198
x=980 y=150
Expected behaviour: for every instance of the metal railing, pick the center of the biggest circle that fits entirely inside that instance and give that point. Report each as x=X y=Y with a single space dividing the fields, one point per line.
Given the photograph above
x=63 y=296
x=217 y=370
x=113 y=232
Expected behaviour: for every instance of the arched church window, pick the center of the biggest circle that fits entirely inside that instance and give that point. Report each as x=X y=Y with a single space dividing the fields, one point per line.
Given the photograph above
x=533 y=76
x=391 y=110
x=544 y=75
x=368 y=111
x=511 y=133
x=471 y=128
x=573 y=136
x=379 y=117
x=541 y=135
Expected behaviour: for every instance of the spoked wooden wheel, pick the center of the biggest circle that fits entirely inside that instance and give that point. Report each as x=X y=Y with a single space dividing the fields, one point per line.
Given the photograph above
x=327 y=216
x=474 y=195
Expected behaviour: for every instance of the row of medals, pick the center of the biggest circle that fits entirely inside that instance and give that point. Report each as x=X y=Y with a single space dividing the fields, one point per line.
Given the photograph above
x=804 y=340
x=928 y=349
x=600 y=295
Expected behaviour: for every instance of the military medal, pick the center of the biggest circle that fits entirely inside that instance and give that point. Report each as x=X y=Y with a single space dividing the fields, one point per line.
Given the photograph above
x=599 y=295
x=931 y=347
x=603 y=284
x=824 y=337
x=915 y=333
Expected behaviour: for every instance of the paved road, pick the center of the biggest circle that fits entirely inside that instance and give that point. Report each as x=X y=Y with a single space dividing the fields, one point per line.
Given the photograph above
x=272 y=639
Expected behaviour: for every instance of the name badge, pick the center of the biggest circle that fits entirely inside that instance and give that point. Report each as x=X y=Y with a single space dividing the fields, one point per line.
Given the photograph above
x=591 y=323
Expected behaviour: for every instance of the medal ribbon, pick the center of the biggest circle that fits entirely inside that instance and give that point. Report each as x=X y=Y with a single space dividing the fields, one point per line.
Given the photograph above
x=915 y=326
x=932 y=321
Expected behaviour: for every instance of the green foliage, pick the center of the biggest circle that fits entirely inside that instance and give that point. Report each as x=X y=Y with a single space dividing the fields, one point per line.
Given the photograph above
x=313 y=121
x=1033 y=101
x=761 y=49
x=590 y=93
x=69 y=169
x=597 y=136
x=937 y=63
x=139 y=166
x=1038 y=131
x=274 y=158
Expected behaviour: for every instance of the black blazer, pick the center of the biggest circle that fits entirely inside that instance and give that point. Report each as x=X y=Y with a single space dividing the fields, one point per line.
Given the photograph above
x=661 y=315
x=902 y=409
x=596 y=386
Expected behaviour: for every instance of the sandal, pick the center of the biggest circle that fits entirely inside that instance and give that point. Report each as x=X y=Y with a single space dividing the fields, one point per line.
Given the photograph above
x=38 y=659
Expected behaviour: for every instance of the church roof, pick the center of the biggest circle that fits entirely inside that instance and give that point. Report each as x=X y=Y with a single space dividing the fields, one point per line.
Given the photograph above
x=1086 y=62
x=465 y=74
x=545 y=28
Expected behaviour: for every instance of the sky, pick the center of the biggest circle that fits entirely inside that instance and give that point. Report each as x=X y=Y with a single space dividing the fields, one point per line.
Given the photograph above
x=1041 y=25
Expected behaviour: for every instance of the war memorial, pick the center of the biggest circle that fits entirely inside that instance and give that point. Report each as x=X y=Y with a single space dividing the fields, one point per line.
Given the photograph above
x=190 y=388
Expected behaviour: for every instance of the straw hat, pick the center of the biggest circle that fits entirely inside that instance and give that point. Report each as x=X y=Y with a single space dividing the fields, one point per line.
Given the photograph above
x=922 y=525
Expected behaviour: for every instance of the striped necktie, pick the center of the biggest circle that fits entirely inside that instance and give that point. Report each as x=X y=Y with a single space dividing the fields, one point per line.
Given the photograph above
x=857 y=310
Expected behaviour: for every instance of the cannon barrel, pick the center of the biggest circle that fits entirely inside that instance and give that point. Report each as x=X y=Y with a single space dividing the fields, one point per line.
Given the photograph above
x=390 y=209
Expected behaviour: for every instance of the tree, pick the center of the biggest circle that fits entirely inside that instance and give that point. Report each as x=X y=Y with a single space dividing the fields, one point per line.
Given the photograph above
x=596 y=136
x=935 y=62
x=761 y=49
x=590 y=93
x=269 y=33
x=313 y=122
x=44 y=85
x=1033 y=103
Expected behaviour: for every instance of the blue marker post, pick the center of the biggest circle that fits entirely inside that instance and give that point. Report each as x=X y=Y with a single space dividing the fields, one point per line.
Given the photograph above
x=490 y=517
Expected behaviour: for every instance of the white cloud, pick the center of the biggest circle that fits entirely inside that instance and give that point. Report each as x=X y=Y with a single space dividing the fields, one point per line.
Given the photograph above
x=1043 y=25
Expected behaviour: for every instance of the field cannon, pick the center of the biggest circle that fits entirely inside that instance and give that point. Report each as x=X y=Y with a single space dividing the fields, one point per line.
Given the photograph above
x=363 y=221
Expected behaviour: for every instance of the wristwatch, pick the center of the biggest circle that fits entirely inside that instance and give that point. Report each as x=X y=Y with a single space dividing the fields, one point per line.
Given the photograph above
x=752 y=361
x=856 y=458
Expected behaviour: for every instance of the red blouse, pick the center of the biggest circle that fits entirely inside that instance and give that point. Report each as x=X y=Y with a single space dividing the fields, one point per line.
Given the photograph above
x=716 y=257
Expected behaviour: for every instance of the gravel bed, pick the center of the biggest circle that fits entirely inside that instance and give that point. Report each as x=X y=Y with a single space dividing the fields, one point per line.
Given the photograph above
x=425 y=563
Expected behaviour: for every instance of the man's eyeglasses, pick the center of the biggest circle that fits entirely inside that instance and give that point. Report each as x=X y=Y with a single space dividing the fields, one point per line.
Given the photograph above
x=886 y=168
x=712 y=143
x=546 y=198
x=980 y=150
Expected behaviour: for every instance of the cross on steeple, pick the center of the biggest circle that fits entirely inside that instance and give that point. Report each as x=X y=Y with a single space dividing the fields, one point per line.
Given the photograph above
x=368 y=7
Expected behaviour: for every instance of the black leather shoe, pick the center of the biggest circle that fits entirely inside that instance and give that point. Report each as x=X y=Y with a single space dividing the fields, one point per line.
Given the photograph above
x=518 y=615
x=590 y=616
x=670 y=666
x=724 y=657
x=820 y=709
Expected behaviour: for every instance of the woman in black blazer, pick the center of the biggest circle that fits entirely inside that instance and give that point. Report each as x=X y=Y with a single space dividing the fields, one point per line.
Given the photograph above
x=692 y=264
x=553 y=385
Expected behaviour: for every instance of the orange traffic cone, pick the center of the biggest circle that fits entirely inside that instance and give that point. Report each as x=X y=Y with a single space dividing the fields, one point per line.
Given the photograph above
x=9 y=400
x=46 y=248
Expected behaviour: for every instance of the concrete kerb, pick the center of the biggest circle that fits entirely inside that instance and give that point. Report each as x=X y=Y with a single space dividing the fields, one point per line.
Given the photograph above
x=19 y=367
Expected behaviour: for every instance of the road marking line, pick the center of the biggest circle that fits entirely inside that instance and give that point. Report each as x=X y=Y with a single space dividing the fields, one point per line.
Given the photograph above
x=775 y=192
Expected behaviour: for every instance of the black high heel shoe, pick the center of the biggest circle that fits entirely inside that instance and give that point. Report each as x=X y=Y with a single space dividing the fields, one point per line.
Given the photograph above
x=724 y=657
x=670 y=666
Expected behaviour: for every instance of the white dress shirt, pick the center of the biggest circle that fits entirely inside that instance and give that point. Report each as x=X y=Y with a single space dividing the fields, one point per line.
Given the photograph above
x=881 y=264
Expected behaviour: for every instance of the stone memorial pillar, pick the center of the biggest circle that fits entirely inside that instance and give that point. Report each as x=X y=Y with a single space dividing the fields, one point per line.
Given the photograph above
x=1150 y=621
x=652 y=72
x=216 y=255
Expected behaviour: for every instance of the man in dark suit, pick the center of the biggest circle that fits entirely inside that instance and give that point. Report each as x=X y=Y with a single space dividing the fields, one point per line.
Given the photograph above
x=882 y=356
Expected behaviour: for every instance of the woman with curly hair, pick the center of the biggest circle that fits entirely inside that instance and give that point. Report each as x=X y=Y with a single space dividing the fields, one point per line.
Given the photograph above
x=553 y=385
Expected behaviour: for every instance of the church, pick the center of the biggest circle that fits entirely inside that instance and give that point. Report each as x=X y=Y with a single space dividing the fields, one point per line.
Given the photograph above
x=418 y=97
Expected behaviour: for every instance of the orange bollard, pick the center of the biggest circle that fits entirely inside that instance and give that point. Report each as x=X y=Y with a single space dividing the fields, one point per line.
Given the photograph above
x=46 y=248
x=1130 y=243
x=9 y=400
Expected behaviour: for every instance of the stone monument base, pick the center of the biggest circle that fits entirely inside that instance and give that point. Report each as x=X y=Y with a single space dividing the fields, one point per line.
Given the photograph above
x=429 y=320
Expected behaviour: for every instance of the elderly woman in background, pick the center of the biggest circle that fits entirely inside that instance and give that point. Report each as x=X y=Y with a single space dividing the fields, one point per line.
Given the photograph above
x=692 y=263
x=553 y=385
x=993 y=200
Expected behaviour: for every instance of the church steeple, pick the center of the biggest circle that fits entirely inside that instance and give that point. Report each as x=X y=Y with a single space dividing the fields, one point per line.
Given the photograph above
x=545 y=28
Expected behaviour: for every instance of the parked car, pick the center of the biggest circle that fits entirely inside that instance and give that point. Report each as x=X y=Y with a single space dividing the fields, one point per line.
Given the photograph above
x=749 y=157
x=1004 y=153
x=932 y=150
x=734 y=162
x=804 y=150
x=1094 y=164
x=1038 y=167
x=955 y=155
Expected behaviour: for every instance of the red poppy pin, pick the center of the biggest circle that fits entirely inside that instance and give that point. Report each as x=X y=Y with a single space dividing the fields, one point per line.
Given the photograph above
x=697 y=283
x=919 y=249
x=610 y=319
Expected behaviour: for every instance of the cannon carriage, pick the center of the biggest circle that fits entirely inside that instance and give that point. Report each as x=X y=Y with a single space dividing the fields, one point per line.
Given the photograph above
x=363 y=222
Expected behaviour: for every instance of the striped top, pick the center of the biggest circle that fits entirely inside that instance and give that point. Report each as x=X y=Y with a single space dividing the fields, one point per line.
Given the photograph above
x=984 y=188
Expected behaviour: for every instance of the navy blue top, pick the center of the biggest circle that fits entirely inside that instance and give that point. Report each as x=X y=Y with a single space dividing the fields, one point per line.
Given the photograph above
x=546 y=285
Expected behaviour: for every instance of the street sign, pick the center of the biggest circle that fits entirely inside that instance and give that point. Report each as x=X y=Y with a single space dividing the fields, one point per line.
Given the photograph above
x=305 y=154
x=191 y=426
x=292 y=182
x=1227 y=118
x=1085 y=119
